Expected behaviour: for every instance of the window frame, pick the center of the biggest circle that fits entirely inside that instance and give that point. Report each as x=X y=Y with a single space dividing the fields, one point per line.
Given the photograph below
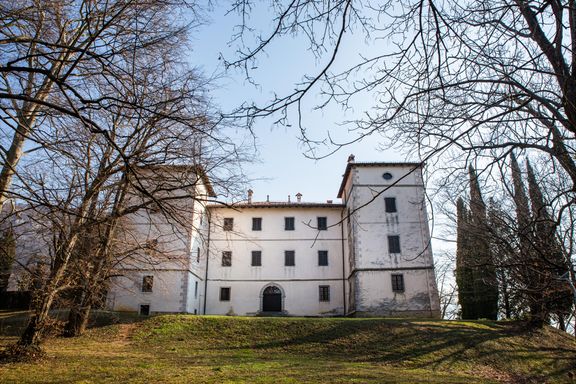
x=289 y=223
x=147 y=284
x=394 y=244
x=226 y=258
x=323 y=258
x=227 y=296
x=289 y=255
x=256 y=256
x=324 y=293
x=390 y=205
x=322 y=223
x=228 y=224
x=398 y=284
x=257 y=224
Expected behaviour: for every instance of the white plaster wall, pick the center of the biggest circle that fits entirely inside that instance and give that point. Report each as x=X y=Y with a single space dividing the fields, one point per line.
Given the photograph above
x=300 y=281
x=173 y=261
x=372 y=262
x=126 y=294
x=372 y=225
x=375 y=295
x=301 y=298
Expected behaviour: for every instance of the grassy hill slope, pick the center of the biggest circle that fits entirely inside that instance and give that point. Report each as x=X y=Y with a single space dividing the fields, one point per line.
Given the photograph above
x=291 y=350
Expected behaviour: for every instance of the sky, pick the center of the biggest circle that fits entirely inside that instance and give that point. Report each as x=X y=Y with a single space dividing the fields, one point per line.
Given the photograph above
x=282 y=167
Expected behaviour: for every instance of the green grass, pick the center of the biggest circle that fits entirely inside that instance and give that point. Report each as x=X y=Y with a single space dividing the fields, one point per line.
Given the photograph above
x=191 y=349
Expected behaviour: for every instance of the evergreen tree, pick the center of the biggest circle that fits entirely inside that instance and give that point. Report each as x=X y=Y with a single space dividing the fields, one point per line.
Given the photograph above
x=503 y=241
x=7 y=257
x=483 y=268
x=464 y=276
x=552 y=264
x=529 y=278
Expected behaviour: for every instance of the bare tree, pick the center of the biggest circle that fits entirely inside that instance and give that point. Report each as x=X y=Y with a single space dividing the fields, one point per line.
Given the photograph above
x=124 y=104
x=53 y=52
x=481 y=76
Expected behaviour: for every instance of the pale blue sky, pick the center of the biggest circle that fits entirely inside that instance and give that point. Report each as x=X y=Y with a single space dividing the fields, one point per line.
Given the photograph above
x=283 y=168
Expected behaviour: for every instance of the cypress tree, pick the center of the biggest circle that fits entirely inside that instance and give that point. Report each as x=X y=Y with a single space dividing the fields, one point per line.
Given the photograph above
x=483 y=268
x=552 y=264
x=464 y=276
x=528 y=272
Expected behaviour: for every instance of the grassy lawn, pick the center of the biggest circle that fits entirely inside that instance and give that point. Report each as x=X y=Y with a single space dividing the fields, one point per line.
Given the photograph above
x=192 y=349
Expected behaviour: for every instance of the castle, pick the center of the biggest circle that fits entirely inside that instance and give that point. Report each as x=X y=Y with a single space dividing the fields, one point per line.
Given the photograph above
x=369 y=255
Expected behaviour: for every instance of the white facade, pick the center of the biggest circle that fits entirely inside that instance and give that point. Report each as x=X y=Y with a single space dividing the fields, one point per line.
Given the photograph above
x=367 y=256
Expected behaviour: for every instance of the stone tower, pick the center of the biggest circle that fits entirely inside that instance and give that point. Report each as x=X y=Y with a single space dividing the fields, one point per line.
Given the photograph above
x=390 y=270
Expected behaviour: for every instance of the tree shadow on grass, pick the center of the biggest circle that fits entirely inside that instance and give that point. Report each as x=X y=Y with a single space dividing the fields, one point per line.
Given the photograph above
x=12 y=323
x=422 y=344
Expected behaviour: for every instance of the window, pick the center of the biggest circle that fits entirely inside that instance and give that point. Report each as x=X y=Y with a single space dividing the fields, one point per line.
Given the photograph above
x=195 y=289
x=145 y=309
x=226 y=259
x=224 y=293
x=256 y=258
x=228 y=223
x=324 y=292
x=394 y=244
x=198 y=255
x=288 y=223
x=390 y=203
x=147 y=282
x=387 y=176
x=322 y=258
x=397 y=283
x=289 y=258
x=322 y=223
x=256 y=223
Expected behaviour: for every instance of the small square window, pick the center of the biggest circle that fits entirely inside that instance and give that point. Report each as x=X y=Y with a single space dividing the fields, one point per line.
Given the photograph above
x=289 y=223
x=322 y=258
x=256 y=258
x=224 y=293
x=147 y=283
x=397 y=283
x=256 y=223
x=390 y=203
x=289 y=258
x=228 y=223
x=227 y=259
x=394 y=244
x=145 y=309
x=322 y=223
x=324 y=292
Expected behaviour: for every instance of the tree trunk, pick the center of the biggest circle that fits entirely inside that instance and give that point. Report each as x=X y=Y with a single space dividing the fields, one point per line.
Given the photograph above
x=561 y=323
x=77 y=320
x=36 y=327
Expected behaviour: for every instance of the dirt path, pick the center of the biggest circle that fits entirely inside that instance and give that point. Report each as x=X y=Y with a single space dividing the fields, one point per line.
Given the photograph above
x=125 y=333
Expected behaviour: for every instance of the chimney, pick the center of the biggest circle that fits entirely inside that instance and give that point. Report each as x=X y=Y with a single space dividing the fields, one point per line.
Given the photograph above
x=250 y=193
x=351 y=158
x=299 y=197
x=267 y=198
x=329 y=201
x=288 y=198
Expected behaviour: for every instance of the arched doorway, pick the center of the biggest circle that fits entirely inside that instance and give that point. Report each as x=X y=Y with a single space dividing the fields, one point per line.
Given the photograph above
x=272 y=299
